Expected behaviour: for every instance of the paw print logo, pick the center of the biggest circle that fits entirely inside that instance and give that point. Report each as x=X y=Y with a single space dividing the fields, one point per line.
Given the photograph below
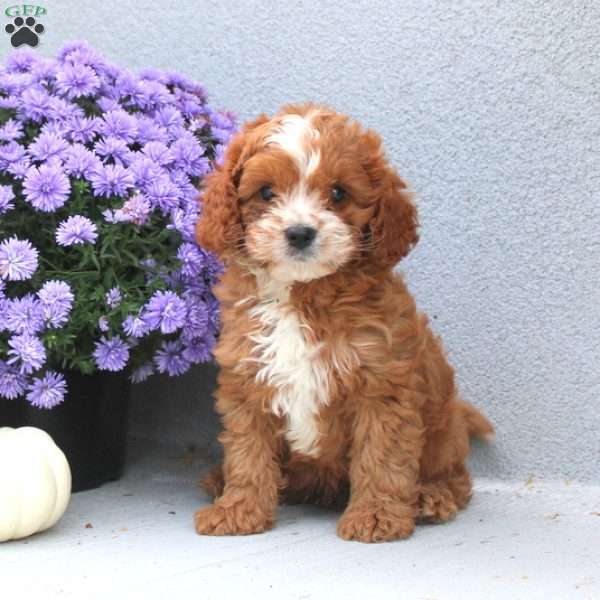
x=24 y=31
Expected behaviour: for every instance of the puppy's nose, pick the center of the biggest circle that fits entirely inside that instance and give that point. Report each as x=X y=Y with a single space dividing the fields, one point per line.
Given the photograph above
x=300 y=236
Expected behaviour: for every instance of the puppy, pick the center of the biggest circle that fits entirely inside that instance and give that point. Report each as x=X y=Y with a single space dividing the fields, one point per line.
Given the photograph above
x=332 y=387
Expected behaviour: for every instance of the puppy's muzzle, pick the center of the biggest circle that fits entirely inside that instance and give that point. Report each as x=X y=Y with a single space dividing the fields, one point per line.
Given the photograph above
x=300 y=237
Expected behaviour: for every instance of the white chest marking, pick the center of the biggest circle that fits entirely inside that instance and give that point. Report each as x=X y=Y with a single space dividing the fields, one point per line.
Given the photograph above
x=291 y=365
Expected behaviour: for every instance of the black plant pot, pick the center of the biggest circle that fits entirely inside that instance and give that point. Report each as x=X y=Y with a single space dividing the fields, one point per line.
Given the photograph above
x=90 y=426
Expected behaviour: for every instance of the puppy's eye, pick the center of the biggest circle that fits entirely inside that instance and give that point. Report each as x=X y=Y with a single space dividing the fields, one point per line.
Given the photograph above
x=267 y=193
x=338 y=194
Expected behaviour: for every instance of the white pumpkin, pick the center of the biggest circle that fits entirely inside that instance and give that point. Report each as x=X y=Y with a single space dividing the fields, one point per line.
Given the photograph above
x=35 y=482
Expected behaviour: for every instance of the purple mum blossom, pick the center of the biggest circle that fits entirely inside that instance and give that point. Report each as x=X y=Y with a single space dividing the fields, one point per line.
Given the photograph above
x=43 y=71
x=24 y=315
x=11 y=130
x=187 y=153
x=112 y=148
x=163 y=194
x=148 y=94
x=47 y=187
x=61 y=110
x=35 y=103
x=135 y=210
x=135 y=326
x=198 y=350
x=76 y=230
x=158 y=153
x=18 y=259
x=113 y=297
x=142 y=373
x=19 y=169
x=119 y=124
x=9 y=102
x=16 y=83
x=145 y=171
x=197 y=318
x=27 y=352
x=81 y=162
x=21 y=62
x=47 y=391
x=7 y=197
x=57 y=299
x=169 y=359
x=111 y=354
x=169 y=118
x=107 y=104
x=184 y=220
x=149 y=131
x=112 y=180
x=103 y=324
x=76 y=80
x=47 y=145
x=82 y=129
x=165 y=311
x=11 y=153
x=12 y=382
x=192 y=259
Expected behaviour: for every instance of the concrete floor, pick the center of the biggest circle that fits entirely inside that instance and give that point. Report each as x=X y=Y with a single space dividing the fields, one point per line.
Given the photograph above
x=134 y=539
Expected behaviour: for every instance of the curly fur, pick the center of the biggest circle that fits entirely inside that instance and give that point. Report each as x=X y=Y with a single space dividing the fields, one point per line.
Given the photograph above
x=332 y=387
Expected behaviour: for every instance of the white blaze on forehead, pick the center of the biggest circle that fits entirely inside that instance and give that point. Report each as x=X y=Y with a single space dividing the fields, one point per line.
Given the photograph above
x=294 y=134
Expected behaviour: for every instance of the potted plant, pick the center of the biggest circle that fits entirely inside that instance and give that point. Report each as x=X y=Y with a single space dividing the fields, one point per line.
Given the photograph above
x=101 y=282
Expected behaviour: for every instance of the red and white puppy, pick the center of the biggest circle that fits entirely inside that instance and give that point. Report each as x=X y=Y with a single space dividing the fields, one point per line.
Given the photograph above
x=332 y=387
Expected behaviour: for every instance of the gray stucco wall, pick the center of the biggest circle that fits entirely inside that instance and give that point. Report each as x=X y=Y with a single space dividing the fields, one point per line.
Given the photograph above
x=491 y=109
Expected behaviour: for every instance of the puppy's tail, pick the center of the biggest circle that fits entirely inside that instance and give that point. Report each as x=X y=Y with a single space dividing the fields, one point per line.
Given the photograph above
x=477 y=425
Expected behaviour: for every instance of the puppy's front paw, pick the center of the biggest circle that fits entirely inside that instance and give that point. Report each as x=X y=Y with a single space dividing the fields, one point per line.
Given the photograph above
x=234 y=519
x=374 y=524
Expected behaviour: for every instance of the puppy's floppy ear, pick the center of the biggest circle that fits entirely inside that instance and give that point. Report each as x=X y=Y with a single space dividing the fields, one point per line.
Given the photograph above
x=393 y=228
x=219 y=227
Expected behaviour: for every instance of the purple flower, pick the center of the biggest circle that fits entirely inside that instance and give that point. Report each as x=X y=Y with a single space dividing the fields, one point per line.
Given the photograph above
x=198 y=350
x=158 y=153
x=27 y=351
x=187 y=153
x=135 y=326
x=148 y=131
x=19 y=169
x=24 y=315
x=80 y=162
x=169 y=118
x=145 y=171
x=119 y=124
x=34 y=103
x=113 y=297
x=18 y=259
x=6 y=198
x=192 y=259
x=56 y=298
x=62 y=111
x=76 y=230
x=111 y=354
x=11 y=153
x=12 y=382
x=142 y=373
x=47 y=391
x=76 y=80
x=135 y=210
x=47 y=187
x=197 y=318
x=112 y=148
x=11 y=131
x=47 y=145
x=20 y=62
x=169 y=359
x=82 y=129
x=111 y=180
x=163 y=194
x=103 y=324
x=165 y=311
